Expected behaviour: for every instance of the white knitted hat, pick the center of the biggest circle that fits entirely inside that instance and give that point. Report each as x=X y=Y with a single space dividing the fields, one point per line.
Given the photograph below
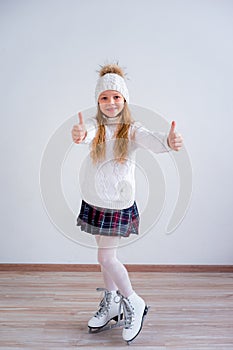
x=111 y=81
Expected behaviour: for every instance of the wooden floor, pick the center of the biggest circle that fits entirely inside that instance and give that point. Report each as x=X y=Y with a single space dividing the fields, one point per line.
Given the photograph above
x=50 y=310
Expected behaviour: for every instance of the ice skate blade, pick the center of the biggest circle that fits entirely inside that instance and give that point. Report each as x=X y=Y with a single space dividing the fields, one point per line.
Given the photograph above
x=108 y=326
x=144 y=314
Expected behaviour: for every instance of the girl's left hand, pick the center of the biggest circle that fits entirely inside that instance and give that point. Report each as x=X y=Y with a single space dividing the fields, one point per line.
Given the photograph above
x=174 y=140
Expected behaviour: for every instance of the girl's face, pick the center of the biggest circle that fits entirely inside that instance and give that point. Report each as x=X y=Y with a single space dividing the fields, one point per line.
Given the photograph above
x=111 y=103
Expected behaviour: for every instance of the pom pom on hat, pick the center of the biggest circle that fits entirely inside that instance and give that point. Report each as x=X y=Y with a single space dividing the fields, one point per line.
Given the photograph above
x=111 y=78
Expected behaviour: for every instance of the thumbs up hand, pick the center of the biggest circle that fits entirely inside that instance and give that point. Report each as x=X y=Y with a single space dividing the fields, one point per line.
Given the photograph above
x=79 y=131
x=174 y=140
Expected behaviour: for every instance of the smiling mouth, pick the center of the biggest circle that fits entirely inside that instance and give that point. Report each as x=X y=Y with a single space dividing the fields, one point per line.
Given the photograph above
x=111 y=109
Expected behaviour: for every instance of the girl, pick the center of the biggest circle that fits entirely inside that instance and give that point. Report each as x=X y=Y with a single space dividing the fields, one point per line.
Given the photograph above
x=108 y=208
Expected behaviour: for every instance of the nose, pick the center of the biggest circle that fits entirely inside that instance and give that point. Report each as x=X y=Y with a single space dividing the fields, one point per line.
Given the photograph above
x=111 y=100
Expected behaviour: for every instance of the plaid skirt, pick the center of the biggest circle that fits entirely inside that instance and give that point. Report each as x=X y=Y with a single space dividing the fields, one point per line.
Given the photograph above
x=108 y=222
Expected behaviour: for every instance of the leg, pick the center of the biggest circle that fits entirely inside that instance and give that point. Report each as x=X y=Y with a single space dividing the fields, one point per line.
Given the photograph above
x=135 y=307
x=108 y=281
x=109 y=306
x=107 y=247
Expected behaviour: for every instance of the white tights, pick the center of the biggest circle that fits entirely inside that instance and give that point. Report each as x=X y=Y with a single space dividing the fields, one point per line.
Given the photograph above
x=114 y=272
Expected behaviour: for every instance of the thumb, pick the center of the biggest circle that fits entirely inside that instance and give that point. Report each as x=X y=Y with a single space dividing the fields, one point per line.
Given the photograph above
x=173 y=126
x=80 y=117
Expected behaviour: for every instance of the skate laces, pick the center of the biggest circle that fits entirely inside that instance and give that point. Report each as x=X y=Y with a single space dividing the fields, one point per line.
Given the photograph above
x=105 y=302
x=128 y=311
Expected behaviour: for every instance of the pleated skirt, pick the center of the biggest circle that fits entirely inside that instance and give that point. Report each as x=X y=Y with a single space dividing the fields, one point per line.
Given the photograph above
x=108 y=222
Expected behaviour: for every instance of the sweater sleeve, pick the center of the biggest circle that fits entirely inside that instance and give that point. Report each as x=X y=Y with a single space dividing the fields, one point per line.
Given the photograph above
x=153 y=141
x=91 y=128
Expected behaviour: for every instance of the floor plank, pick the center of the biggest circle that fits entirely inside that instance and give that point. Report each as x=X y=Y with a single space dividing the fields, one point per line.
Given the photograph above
x=50 y=310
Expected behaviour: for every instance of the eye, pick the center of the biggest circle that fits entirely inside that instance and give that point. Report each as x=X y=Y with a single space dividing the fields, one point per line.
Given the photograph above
x=103 y=98
x=117 y=97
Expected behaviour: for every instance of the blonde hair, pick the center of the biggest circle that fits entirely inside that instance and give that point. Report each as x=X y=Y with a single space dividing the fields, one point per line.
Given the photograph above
x=98 y=147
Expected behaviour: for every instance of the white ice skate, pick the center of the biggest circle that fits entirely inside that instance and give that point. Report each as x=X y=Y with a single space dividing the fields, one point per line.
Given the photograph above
x=135 y=310
x=110 y=308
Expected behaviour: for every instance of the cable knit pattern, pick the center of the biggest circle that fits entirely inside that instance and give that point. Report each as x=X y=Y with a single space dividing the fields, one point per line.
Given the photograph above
x=111 y=81
x=110 y=184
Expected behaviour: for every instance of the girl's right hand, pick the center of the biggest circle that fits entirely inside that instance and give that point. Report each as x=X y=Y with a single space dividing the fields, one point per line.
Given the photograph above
x=79 y=131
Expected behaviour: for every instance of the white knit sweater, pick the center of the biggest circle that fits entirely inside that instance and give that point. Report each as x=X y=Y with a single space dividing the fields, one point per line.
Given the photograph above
x=110 y=184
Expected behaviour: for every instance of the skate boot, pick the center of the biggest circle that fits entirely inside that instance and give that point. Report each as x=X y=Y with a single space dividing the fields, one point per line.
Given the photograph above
x=135 y=310
x=109 y=309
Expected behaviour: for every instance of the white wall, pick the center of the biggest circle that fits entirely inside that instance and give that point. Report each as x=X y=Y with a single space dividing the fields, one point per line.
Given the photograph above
x=178 y=56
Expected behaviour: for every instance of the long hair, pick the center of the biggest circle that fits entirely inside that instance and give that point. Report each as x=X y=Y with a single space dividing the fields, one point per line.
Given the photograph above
x=98 y=147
